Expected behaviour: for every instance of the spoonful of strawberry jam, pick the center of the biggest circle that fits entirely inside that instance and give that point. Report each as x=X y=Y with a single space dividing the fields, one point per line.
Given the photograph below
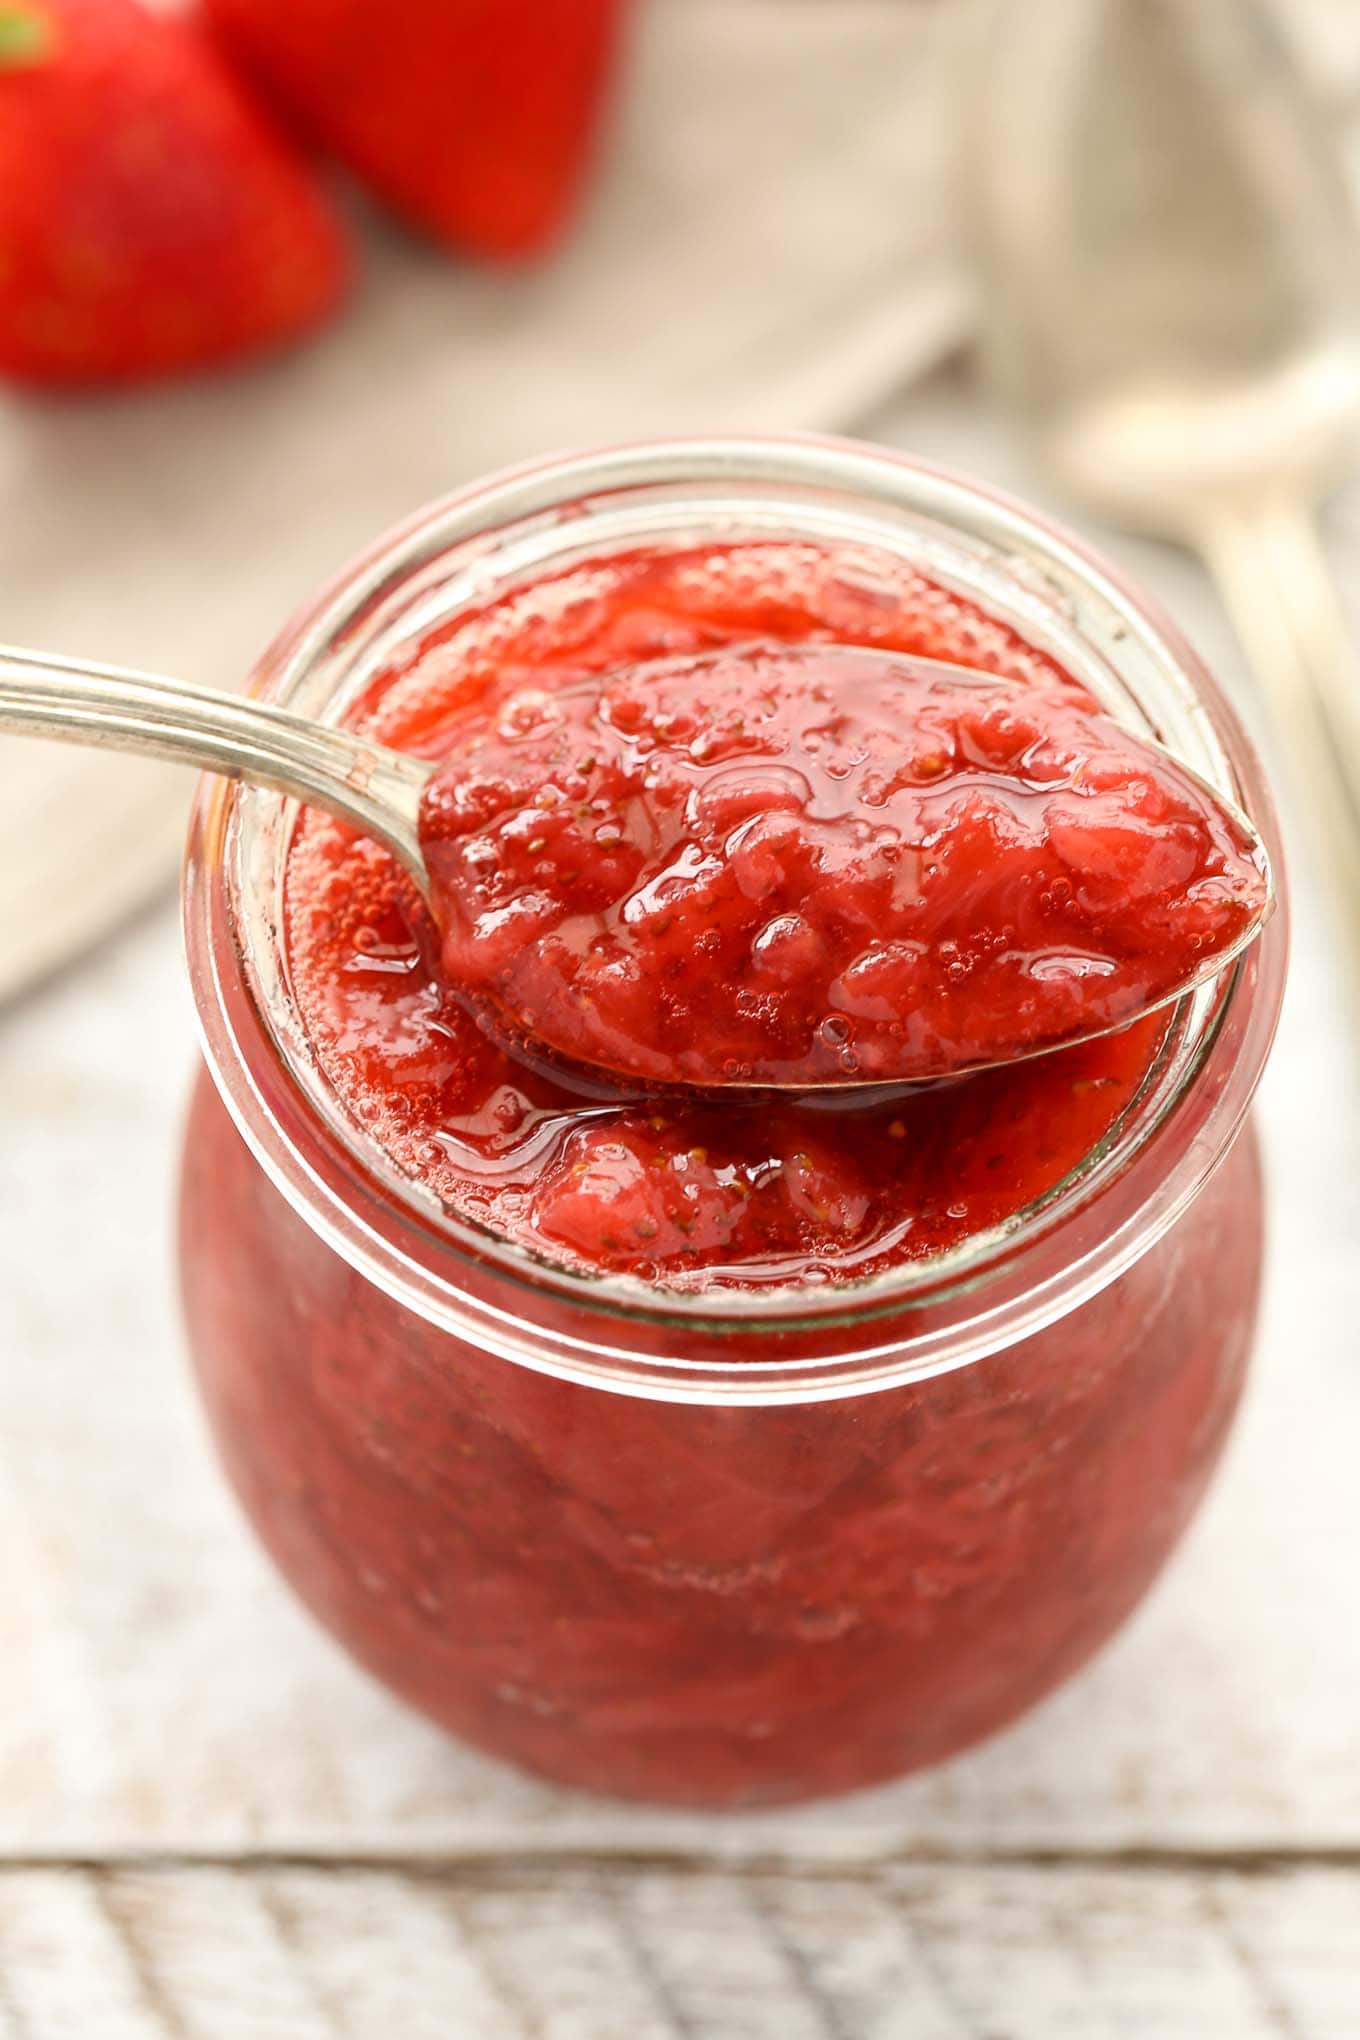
x=786 y=866
x=807 y=865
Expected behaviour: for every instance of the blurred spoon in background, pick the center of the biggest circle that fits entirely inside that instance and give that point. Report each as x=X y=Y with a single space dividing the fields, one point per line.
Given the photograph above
x=1170 y=266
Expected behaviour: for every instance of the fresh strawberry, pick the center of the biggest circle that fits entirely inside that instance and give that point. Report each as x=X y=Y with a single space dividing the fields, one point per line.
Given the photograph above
x=151 y=220
x=471 y=118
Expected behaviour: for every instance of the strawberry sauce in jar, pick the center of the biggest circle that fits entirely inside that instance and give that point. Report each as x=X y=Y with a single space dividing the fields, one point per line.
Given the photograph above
x=713 y=1447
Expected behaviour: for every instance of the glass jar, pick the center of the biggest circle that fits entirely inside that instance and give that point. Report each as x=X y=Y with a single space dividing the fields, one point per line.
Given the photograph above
x=714 y=1550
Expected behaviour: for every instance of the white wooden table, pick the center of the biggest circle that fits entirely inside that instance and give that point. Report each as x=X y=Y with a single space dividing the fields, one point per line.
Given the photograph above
x=212 y=1827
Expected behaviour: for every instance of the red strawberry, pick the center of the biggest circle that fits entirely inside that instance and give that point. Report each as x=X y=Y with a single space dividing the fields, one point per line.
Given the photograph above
x=472 y=118
x=150 y=218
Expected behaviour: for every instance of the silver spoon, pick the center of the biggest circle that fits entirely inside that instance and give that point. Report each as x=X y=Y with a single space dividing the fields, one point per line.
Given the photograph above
x=363 y=782
x=377 y=789
x=1170 y=267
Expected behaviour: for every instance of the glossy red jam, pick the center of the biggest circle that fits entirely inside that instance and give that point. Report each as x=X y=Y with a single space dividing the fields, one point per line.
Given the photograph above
x=805 y=864
x=720 y=1605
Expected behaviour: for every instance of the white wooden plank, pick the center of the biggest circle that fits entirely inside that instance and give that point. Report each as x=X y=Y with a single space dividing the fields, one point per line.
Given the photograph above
x=856 y=1952
x=961 y=1952
x=1301 y=1939
x=65 y=1962
x=217 y=1958
x=1080 y=1955
x=386 y=1955
x=559 y=1957
x=719 y=1966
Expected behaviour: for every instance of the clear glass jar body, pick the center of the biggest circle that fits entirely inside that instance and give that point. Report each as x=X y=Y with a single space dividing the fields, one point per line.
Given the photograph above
x=748 y=1554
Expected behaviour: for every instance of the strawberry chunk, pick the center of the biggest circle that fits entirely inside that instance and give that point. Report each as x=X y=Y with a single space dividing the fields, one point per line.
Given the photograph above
x=151 y=219
x=472 y=119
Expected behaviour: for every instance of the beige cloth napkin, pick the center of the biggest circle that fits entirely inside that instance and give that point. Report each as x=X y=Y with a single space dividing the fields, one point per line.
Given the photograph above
x=770 y=243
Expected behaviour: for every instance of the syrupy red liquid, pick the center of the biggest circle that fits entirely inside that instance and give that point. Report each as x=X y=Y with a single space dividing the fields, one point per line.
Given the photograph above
x=716 y=1606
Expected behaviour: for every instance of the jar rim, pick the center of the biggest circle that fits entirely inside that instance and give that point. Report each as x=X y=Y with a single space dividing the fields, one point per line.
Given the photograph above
x=941 y=1311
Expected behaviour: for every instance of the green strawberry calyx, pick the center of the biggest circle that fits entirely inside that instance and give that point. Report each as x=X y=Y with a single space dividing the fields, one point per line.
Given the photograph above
x=26 y=36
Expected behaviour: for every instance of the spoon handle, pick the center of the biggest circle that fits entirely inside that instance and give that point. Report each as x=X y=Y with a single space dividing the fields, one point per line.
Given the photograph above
x=377 y=789
x=1277 y=587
